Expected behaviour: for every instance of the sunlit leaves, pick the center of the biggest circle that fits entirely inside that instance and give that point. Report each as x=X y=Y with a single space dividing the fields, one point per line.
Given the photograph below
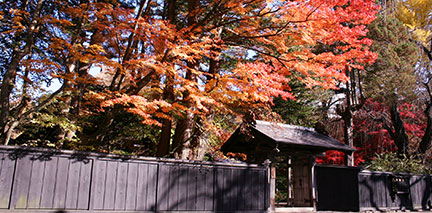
x=282 y=34
x=416 y=14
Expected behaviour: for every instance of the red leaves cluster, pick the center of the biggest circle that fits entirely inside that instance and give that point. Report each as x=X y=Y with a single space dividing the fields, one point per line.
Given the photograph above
x=372 y=138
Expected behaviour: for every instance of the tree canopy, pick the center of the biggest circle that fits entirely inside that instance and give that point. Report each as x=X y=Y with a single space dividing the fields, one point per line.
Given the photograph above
x=171 y=65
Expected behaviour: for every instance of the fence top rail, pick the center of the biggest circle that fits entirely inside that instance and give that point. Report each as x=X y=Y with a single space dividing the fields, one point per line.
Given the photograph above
x=123 y=157
x=332 y=166
x=367 y=172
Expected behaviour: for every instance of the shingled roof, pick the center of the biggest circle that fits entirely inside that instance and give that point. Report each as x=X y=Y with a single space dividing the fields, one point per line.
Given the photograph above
x=292 y=136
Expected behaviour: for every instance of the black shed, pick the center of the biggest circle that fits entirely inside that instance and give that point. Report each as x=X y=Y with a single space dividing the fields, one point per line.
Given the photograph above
x=297 y=147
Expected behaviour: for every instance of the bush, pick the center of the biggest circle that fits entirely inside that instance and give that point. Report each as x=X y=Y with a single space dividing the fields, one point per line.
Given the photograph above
x=391 y=162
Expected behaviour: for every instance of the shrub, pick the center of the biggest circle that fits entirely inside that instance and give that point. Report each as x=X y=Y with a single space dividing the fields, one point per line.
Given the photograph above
x=391 y=162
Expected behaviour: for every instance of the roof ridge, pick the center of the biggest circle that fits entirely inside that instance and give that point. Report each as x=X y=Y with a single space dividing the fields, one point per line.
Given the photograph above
x=286 y=125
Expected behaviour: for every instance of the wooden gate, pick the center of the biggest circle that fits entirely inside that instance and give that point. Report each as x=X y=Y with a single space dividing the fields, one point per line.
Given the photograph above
x=301 y=182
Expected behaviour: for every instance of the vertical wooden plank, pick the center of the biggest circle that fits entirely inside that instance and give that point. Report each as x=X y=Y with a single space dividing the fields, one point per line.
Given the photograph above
x=363 y=192
x=6 y=177
x=248 y=185
x=236 y=188
x=233 y=189
x=248 y=190
x=163 y=189
x=110 y=186
x=120 y=194
x=141 y=196
x=382 y=188
x=183 y=188
x=49 y=182
x=131 y=188
x=428 y=188
x=261 y=189
x=219 y=199
x=226 y=191
x=73 y=184
x=375 y=201
x=421 y=186
x=173 y=199
x=61 y=183
x=201 y=188
x=22 y=181
x=84 y=185
x=241 y=189
x=191 y=189
x=210 y=190
x=255 y=188
x=35 y=190
x=99 y=183
x=415 y=181
x=378 y=192
x=229 y=189
x=241 y=192
x=152 y=182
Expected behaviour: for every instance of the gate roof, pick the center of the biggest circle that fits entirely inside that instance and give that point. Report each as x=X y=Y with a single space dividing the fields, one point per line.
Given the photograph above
x=269 y=136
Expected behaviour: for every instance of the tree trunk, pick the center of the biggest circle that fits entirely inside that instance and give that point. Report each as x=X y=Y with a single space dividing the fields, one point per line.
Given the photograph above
x=165 y=139
x=183 y=136
x=426 y=141
x=347 y=115
x=349 y=138
x=399 y=136
x=201 y=138
x=6 y=89
x=8 y=82
x=163 y=147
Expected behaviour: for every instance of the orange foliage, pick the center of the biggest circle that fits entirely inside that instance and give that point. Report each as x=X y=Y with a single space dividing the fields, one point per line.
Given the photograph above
x=282 y=36
x=258 y=46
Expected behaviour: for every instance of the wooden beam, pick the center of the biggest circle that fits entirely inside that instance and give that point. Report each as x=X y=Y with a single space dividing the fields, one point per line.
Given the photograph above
x=272 y=168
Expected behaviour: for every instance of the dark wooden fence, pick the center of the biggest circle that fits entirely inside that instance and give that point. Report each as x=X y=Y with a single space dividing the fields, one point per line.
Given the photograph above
x=383 y=190
x=36 y=179
x=349 y=189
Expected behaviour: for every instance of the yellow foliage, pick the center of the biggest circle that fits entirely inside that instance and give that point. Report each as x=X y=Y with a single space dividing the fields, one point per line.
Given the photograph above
x=416 y=15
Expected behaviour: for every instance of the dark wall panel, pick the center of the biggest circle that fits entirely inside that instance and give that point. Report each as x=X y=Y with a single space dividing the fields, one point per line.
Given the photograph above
x=337 y=188
x=376 y=190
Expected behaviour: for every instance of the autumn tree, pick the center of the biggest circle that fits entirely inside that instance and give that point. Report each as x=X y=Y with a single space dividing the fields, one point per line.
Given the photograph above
x=176 y=63
x=46 y=41
x=391 y=80
x=196 y=60
x=415 y=16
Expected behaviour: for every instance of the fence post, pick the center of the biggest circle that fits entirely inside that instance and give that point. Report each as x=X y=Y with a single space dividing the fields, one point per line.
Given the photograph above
x=272 y=183
x=313 y=181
